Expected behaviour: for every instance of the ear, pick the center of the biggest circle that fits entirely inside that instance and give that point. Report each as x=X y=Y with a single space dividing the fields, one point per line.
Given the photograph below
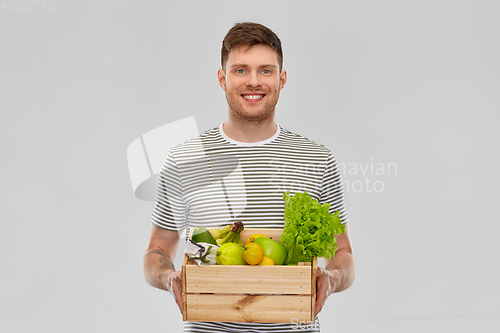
x=283 y=78
x=221 y=77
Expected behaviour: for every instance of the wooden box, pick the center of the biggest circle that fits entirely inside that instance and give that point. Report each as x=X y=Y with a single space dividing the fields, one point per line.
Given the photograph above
x=244 y=293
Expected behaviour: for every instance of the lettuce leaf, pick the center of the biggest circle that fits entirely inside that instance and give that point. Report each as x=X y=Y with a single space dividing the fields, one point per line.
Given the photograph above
x=309 y=229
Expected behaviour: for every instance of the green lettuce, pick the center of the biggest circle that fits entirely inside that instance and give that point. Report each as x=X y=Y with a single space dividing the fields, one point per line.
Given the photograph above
x=309 y=229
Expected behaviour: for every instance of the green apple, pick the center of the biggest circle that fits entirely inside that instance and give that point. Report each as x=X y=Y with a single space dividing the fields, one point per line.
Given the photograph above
x=273 y=249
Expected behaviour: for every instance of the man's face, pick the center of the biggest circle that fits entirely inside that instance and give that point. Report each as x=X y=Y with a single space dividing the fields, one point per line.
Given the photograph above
x=252 y=82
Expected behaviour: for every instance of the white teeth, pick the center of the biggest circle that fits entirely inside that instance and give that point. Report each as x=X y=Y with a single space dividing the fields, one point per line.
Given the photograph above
x=253 y=96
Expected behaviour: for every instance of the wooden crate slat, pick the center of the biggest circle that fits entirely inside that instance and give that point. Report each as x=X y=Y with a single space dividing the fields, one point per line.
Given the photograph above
x=249 y=308
x=313 y=288
x=184 y=295
x=273 y=233
x=240 y=279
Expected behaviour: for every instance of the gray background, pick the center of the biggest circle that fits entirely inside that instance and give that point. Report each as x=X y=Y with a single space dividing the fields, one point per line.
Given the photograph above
x=412 y=83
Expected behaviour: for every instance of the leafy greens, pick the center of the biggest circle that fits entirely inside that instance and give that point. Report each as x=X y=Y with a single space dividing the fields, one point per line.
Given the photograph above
x=309 y=228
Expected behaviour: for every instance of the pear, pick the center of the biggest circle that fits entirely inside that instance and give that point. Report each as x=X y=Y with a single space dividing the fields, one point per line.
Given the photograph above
x=230 y=254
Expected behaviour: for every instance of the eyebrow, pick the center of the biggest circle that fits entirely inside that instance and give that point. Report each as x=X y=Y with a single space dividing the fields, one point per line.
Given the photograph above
x=262 y=66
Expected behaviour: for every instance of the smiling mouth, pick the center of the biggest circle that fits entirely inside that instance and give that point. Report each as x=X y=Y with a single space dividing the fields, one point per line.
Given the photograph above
x=253 y=97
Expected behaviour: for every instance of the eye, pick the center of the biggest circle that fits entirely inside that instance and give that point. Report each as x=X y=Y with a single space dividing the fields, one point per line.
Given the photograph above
x=266 y=71
x=240 y=71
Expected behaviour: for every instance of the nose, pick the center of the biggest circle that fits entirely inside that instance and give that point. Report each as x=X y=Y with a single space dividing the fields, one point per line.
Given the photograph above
x=253 y=80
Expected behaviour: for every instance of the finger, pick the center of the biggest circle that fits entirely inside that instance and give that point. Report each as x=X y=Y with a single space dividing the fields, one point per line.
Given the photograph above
x=180 y=303
x=319 y=306
x=178 y=297
x=176 y=284
x=321 y=294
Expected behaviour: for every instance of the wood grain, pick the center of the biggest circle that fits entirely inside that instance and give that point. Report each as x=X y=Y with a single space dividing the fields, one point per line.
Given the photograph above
x=249 y=308
x=240 y=279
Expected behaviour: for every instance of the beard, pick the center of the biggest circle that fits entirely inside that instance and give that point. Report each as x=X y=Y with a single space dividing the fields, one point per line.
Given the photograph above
x=252 y=115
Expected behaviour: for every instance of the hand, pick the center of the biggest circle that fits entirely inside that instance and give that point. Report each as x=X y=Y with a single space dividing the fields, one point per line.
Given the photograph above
x=174 y=285
x=325 y=285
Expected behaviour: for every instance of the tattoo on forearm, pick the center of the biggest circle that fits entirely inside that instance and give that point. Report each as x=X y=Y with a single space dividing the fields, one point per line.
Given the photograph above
x=165 y=262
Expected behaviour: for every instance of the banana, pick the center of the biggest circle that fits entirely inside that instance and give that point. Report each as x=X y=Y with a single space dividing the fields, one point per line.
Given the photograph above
x=237 y=239
x=235 y=230
x=219 y=233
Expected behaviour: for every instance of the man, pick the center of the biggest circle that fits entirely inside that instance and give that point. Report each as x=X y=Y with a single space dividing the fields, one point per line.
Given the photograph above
x=240 y=170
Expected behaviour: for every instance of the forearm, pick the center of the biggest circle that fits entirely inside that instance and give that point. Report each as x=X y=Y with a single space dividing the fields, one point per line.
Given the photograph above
x=157 y=268
x=343 y=271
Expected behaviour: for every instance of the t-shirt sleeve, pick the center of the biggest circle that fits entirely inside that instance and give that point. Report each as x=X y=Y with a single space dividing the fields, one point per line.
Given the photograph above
x=169 y=210
x=332 y=189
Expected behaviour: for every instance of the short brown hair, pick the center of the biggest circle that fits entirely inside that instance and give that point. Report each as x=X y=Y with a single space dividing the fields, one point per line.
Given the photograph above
x=249 y=33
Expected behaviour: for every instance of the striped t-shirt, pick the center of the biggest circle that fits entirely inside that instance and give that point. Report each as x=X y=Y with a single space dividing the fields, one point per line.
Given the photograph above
x=212 y=180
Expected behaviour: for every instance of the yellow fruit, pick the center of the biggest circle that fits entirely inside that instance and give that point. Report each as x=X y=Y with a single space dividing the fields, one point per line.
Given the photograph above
x=253 y=254
x=230 y=254
x=252 y=238
x=266 y=261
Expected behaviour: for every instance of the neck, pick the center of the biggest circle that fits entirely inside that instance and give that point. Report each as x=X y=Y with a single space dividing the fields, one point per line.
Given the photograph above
x=250 y=131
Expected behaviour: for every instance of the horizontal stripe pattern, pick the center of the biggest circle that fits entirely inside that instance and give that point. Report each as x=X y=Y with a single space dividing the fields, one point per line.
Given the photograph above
x=210 y=181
